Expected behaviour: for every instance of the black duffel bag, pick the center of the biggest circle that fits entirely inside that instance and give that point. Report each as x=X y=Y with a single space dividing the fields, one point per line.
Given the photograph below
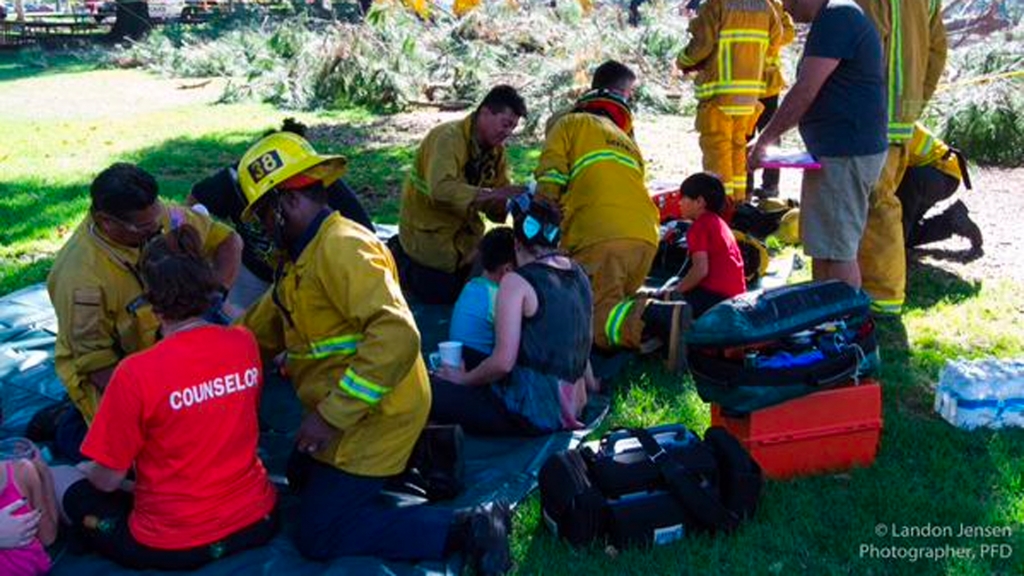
x=642 y=487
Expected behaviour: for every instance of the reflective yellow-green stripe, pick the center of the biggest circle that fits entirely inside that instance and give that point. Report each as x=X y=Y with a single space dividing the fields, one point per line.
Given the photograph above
x=896 y=134
x=744 y=33
x=924 y=147
x=900 y=131
x=743 y=87
x=419 y=183
x=887 y=306
x=736 y=110
x=684 y=61
x=358 y=387
x=554 y=177
x=617 y=316
x=605 y=155
x=339 y=345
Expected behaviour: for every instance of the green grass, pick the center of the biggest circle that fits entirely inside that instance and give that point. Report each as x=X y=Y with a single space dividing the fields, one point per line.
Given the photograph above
x=926 y=471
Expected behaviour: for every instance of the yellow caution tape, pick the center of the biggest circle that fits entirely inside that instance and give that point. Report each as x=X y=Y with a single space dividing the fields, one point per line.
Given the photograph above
x=980 y=80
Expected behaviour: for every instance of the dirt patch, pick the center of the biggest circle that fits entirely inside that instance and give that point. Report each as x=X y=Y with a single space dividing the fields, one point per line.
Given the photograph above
x=103 y=94
x=670 y=146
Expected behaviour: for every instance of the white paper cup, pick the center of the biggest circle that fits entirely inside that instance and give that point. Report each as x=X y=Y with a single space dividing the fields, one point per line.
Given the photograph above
x=450 y=353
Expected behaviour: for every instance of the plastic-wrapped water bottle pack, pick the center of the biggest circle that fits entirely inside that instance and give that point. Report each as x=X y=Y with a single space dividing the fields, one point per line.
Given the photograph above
x=985 y=393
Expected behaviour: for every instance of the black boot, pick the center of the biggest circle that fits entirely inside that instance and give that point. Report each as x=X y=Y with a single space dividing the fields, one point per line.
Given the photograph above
x=964 y=226
x=436 y=468
x=482 y=532
x=669 y=322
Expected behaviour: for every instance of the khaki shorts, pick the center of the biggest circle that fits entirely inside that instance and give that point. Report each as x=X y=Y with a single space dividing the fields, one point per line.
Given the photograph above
x=834 y=205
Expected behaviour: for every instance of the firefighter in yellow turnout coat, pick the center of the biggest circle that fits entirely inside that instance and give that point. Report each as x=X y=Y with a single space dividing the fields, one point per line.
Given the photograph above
x=914 y=40
x=97 y=290
x=593 y=169
x=352 y=352
x=460 y=171
x=729 y=44
x=934 y=173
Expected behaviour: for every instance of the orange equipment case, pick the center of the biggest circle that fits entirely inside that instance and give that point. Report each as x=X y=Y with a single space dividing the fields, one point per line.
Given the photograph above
x=827 y=431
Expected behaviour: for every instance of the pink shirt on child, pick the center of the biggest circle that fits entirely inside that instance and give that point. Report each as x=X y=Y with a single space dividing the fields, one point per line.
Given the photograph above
x=30 y=560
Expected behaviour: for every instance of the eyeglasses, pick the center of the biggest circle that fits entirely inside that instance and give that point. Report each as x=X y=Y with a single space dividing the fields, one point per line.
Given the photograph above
x=149 y=229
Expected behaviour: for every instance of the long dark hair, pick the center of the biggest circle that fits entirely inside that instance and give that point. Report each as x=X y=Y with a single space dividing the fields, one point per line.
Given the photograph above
x=179 y=281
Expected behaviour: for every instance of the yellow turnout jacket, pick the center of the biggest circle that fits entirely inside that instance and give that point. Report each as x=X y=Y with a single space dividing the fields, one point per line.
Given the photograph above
x=729 y=42
x=96 y=292
x=774 y=79
x=926 y=149
x=914 y=40
x=353 y=350
x=595 y=172
x=438 y=228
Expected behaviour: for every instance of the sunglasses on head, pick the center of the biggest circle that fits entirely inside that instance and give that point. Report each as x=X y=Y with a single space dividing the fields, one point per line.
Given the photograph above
x=532 y=227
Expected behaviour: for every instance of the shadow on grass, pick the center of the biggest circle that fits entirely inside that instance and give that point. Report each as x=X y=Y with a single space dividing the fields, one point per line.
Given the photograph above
x=33 y=63
x=36 y=209
x=927 y=285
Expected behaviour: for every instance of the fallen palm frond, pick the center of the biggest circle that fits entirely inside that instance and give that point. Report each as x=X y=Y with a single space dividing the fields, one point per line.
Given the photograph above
x=394 y=60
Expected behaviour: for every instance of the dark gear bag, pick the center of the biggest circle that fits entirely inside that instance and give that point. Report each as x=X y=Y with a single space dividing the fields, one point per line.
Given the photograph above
x=763 y=348
x=618 y=465
x=572 y=507
x=762 y=219
x=644 y=487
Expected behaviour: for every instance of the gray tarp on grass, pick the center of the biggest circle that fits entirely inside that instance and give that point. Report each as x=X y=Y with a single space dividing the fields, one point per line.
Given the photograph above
x=495 y=468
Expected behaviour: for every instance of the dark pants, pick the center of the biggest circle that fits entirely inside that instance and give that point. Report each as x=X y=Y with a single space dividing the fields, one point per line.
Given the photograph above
x=477 y=409
x=702 y=300
x=769 y=176
x=428 y=285
x=920 y=189
x=108 y=533
x=70 y=434
x=341 y=514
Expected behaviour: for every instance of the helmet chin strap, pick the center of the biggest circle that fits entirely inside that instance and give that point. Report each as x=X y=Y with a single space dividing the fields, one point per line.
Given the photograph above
x=277 y=234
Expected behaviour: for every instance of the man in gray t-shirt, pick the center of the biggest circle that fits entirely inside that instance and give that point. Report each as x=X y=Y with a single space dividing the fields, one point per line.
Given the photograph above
x=838 y=101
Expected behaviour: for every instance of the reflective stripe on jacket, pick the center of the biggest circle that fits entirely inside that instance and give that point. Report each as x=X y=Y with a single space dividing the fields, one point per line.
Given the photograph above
x=914 y=40
x=926 y=149
x=437 y=226
x=595 y=172
x=353 y=349
x=729 y=42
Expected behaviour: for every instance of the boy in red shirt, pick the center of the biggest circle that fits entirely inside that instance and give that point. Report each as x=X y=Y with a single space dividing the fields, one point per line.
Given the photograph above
x=716 y=270
x=182 y=414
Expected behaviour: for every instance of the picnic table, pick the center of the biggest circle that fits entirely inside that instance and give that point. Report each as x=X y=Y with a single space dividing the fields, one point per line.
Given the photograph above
x=49 y=32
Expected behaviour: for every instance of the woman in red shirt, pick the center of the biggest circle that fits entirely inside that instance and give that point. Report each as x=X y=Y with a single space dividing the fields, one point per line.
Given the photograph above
x=183 y=415
x=716 y=270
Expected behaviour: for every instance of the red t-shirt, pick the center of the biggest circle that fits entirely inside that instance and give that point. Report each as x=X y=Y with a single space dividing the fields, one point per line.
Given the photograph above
x=184 y=413
x=709 y=233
